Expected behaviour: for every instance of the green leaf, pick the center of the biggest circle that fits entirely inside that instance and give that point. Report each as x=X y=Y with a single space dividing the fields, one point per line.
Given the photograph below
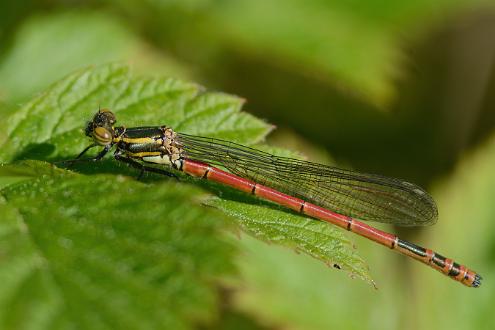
x=10 y=174
x=303 y=234
x=84 y=252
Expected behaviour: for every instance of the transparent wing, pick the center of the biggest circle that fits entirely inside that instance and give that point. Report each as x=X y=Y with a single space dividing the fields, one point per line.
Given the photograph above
x=359 y=195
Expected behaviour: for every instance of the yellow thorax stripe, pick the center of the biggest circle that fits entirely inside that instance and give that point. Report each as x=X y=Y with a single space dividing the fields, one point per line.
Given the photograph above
x=143 y=154
x=142 y=140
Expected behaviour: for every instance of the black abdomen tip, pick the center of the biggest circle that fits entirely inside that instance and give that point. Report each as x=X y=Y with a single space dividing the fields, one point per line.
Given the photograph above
x=477 y=281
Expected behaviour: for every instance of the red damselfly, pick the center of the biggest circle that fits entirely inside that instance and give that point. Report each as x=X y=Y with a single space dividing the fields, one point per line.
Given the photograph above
x=337 y=196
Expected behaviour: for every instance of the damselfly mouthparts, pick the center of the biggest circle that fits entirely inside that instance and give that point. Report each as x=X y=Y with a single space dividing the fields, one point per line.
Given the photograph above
x=318 y=191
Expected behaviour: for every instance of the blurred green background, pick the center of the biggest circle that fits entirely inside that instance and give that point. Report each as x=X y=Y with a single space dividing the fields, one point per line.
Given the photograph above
x=405 y=89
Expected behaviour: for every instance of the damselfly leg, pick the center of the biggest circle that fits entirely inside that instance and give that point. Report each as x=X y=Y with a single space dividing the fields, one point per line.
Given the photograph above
x=78 y=159
x=142 y=168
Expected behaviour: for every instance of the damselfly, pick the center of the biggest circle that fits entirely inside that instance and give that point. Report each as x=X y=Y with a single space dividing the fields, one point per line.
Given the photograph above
x=322 y=192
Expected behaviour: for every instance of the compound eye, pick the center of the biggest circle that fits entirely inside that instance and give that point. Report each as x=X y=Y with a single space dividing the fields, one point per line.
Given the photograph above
x=110 y=117
x=102 y=136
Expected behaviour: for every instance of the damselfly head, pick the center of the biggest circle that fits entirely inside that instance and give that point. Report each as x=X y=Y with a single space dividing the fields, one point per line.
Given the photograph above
x=101 y=127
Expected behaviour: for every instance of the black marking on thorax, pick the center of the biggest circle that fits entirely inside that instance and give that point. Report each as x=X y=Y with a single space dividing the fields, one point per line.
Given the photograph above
x=144 y=132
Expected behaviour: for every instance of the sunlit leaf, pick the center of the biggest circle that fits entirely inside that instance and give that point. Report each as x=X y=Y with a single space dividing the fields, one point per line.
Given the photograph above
x=80 y=251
